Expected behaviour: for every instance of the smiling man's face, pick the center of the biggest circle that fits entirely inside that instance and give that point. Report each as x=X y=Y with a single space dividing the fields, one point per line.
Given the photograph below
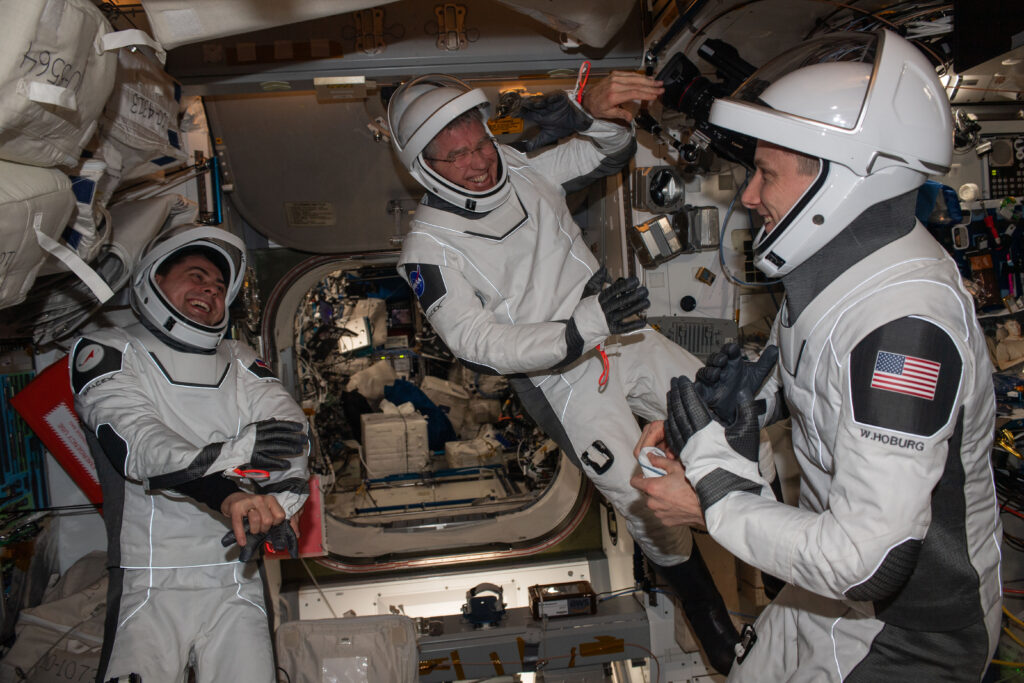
x=781 y=178
x=465 y=155
x=195 y=287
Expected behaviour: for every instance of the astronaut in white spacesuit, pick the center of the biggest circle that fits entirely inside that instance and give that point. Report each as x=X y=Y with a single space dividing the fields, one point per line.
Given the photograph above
x=197 y=444
x=892 y=556
x=504 y=277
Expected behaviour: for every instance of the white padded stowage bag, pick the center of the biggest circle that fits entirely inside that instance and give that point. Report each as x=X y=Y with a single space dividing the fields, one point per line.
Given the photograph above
x=35 y=204
x=89 y=227
x=137 y=135
x=59 y=312
x=141 y=119
x=372 y=649
x=55 y=78
x=60 y=639
x=139 y=124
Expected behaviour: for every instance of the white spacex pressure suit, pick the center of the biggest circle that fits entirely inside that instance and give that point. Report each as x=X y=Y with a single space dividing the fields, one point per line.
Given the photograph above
x=177 y=596
x=499 y=288
x=893 y=553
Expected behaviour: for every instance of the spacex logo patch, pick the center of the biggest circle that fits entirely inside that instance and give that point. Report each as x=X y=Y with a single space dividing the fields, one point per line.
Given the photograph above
x=88 y=357
x=91 y=361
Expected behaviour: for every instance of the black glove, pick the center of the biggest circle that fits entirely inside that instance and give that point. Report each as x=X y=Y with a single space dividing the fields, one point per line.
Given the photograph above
x=596 y=282
x=276 y=440
x=556 y=117
x=725 y=374
x=279 y=537
x=621 y=300
x=273 y=441
x=687 y=415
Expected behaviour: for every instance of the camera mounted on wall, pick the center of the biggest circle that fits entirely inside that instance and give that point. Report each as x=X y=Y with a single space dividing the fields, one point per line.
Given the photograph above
x=689 y=92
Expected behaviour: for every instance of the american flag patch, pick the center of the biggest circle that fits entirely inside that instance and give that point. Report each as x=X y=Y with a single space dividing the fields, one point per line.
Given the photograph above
x=905 y=375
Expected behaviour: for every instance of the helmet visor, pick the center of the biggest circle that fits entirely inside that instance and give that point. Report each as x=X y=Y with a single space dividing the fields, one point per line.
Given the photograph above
x=852 y=48
x=800 y=102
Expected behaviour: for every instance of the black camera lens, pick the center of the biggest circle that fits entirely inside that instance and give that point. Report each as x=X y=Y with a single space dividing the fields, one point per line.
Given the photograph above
x=728 y=64
x=692 y=94
x=685 y=89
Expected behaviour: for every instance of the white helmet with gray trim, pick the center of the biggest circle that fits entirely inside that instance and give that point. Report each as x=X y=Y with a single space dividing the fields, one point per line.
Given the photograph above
x=420 y=109
x=225 y=250
x=870 y=106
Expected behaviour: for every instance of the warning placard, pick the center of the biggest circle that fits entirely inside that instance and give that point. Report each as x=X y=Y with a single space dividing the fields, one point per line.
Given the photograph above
x=507 y=125
x=309 y=214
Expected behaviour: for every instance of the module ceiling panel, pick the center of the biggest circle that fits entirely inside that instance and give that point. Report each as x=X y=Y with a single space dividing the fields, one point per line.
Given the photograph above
x=496 y=41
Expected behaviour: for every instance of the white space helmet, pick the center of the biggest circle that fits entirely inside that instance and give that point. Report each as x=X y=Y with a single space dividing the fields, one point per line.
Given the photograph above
x=418 y=110
x=148 y=301
x=870 y=106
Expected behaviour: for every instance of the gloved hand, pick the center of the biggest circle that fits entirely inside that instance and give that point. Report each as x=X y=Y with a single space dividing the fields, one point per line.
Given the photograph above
x=272 y=440
x=555 y=115
x=279 y=537
x=687 y=415
x=596 y=282
x=276 y=440
x=622 y=299
x=726 y=373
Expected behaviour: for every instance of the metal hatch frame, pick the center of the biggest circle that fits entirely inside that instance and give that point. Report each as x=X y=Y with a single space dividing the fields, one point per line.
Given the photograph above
x=567 y=500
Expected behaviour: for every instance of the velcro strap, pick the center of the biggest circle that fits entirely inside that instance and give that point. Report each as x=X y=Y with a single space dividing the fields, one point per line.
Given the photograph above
x=73 y=261
x=133 y=36
x=47 y=93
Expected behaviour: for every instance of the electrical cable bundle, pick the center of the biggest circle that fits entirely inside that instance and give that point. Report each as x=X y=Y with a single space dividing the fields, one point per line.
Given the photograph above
x=929 y=24
x=1009 y=477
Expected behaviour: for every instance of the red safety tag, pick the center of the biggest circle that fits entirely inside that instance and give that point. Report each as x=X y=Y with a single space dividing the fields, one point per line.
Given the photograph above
x=602 y=381
x=581 y=80
x=252 y=474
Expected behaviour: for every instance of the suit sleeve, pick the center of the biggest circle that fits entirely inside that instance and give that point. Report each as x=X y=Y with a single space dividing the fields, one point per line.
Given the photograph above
x=266 y=398
x=491 y=342
x=890 y=448
x=210 y=490
x=111 y=401
x=604 y=149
